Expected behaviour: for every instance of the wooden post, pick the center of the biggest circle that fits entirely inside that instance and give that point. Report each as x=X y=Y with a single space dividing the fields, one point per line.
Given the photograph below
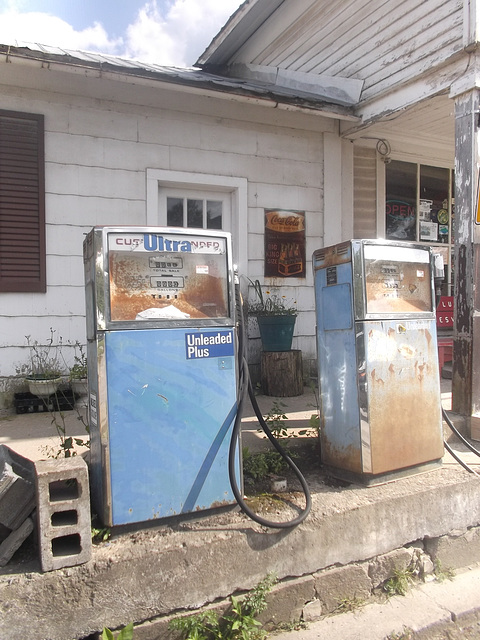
x=281 y=373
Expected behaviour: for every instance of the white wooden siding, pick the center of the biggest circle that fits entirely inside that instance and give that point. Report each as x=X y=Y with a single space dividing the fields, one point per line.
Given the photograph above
x=365 y=193
x=381 y=42
x=97 y=155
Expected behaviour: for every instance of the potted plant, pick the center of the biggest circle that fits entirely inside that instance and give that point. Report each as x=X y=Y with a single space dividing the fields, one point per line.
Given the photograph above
x=45 y=370
x=276 y=319
x=78 y=372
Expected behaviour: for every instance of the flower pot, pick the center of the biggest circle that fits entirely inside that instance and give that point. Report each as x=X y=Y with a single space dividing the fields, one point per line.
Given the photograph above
x=276 y=332
x=43 y=387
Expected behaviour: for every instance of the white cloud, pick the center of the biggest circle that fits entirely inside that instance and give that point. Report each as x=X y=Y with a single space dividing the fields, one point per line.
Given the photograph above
x=181 y=34
x=47 y=29
x=173 y=35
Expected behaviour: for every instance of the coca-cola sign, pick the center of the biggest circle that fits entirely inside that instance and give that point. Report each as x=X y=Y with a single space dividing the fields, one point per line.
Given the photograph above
x=284 y=243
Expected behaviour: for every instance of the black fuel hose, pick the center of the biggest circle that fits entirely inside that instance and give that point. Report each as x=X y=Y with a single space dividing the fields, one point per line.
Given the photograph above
x=462 y=439
x=244 y=388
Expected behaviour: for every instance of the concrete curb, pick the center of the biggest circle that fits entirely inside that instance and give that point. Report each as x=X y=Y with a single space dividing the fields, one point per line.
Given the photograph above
x=422 y=607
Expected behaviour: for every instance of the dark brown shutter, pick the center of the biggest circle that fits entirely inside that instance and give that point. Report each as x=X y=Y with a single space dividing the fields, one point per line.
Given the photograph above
x=22 y=202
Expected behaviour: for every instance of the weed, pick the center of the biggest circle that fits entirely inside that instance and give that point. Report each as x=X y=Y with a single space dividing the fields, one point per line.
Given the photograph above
x=349 y=604
x=442 y=573
x=258 y=466
x=124 y=634
x=406 y=634
x=276 y=420
x=48 y=361
x=399 y=583
x=100 y=534
x=201 y=626
x=239 y=622
x=293 y=625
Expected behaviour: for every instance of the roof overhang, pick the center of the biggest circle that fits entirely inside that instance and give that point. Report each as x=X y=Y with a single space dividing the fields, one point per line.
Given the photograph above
x=240 y=27
x=186 y=79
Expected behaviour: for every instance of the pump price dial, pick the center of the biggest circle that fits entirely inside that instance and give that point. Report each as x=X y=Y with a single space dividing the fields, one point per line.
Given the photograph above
x=165 y=262
x=165 y=282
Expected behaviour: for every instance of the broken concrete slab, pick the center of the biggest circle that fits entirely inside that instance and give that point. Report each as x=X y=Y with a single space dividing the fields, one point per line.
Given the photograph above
x=17 y=488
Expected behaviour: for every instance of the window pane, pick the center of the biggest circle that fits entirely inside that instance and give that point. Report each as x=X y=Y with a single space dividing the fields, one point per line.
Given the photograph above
x=401 y=200
x=175 y=212
x=195 y=214
x=214 y=214
x=433 y=212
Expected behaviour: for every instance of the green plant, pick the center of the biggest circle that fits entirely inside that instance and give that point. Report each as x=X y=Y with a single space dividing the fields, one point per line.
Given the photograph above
x=314 y=422
x=349 y=604
x=124 y=634
x=239 y=622
x=99 y=533
x=400 y=582
x=50 y=359
x=79 y=369
x=270 y=304
x=406 y=634
x=442 y=573
x=258 y=466
x=201 y=626
x=276 y=420
x=45 y=360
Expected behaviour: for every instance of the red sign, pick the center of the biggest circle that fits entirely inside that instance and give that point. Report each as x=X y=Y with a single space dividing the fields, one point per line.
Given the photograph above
x=445 y=312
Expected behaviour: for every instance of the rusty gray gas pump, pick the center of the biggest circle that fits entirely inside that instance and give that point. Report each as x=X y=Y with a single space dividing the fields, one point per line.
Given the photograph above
x=379 y=381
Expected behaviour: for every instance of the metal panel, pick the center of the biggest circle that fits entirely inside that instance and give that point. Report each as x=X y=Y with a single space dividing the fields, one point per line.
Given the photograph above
x=403 y=382
x=378 y=377
x=170 y=420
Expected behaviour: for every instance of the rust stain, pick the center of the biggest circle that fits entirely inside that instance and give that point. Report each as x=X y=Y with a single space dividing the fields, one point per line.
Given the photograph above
x=391 y=332
x=344 y=458
x=404 y=427
x=406 y=351
x=375 y=380
x=391 y=368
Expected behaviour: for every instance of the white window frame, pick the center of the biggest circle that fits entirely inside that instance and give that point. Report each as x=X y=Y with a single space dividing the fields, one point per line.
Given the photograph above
x=196 y=194
x=161 y=183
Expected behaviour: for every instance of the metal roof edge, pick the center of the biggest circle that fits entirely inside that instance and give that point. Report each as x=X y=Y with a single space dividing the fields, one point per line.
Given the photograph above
x=263 y=93
x=238 y=29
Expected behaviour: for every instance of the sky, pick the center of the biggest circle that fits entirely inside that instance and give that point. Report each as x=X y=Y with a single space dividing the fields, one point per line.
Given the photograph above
x=167 y=32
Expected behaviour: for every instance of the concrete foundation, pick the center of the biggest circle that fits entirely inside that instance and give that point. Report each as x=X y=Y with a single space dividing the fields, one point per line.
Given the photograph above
x=145 y=576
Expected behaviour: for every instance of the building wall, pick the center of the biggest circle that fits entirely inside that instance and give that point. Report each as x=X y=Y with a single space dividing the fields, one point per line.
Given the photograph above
x=100 y=139
x=365 y=193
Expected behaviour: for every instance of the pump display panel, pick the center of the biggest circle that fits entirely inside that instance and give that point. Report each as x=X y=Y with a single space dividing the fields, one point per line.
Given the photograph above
x=397 y=280
x=171 y=277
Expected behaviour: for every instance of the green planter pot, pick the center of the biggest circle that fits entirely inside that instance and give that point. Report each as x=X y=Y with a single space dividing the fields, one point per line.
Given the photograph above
x=276 y=332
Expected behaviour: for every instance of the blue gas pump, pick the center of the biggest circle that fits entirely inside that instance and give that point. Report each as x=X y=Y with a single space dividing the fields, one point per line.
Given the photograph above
x=162 y=371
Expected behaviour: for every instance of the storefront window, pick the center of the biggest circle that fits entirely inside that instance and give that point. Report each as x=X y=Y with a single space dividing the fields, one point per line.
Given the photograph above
x=401 y=205
x=419 y=209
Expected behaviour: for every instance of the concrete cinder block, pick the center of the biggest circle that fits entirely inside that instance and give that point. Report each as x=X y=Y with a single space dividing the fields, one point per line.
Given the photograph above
x=63 y=503
x=343 y=583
